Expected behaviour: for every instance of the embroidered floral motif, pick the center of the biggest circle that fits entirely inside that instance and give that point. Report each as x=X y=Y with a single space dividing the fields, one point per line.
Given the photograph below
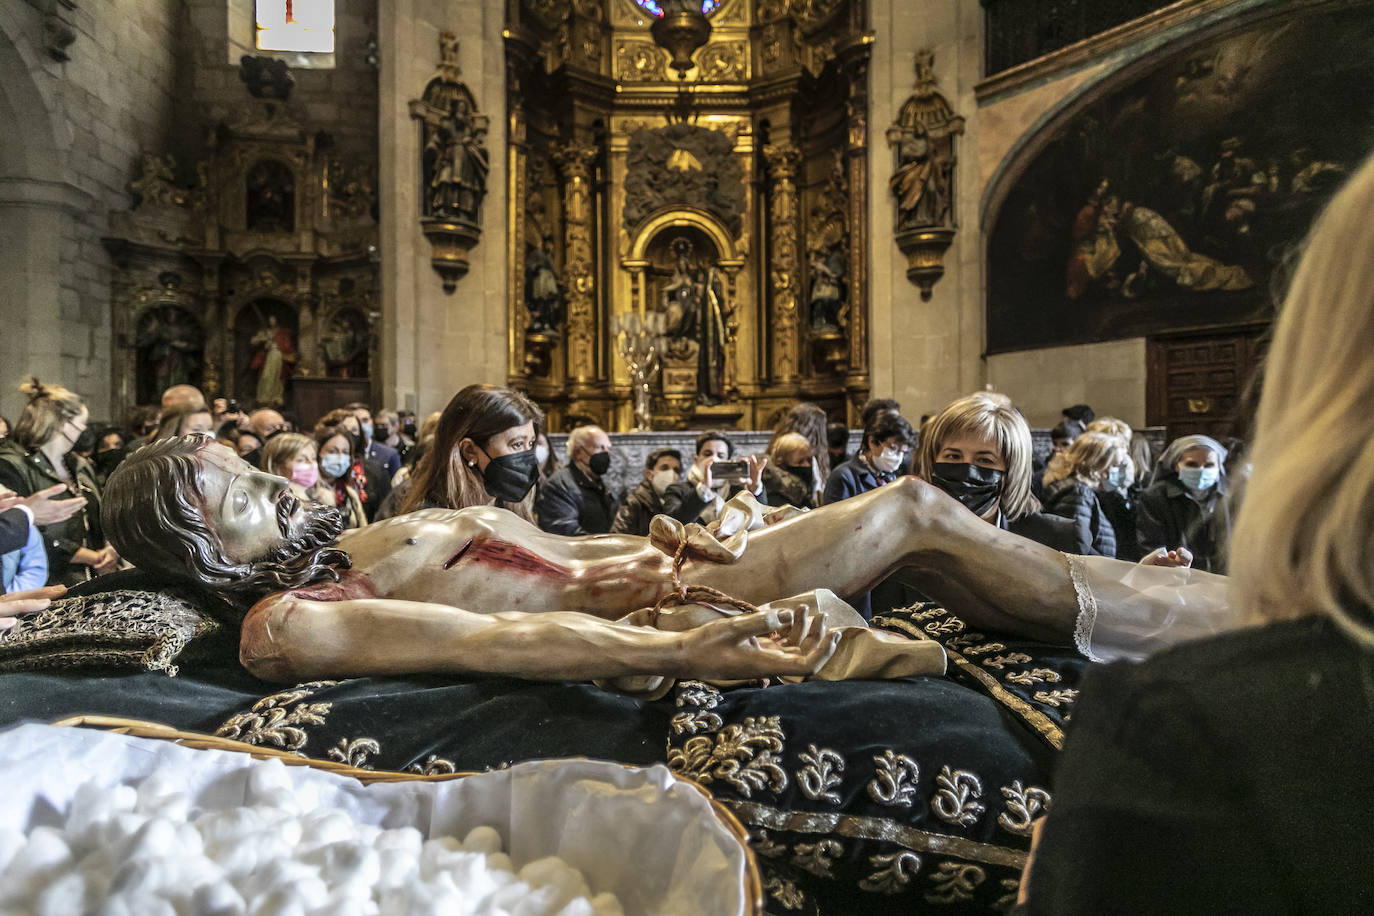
x=276 y=719
x=692 y=722
x=355 y=752
x=434 y=765
x=1010 y=888
x=929 y=613
x=894 y=872
x=764 y=845
x=695 y=693
x=968 y=639
x=956 y=798
x=895 y=781
x=954 y=881
x=1024 y=805
x=1033 y=677
x=1056 y=698
x=821 y=774
x=785 y=892
x=743 y=754
x=945 y=627
x=985 y=648
x=818 y=858
x=1001 y=661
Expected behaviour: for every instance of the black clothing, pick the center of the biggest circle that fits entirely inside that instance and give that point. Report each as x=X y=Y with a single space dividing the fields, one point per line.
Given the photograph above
x=853 y=477
x=683 y=501
x=1167 y=516
x=1078 y=502
x=376 y=487
x=783 y=488
x=26 y=473
x=1119 y=508
x=572 y=503
x=14 y=530
x=639 y=509
x=1228 y=775
x=1050 y=530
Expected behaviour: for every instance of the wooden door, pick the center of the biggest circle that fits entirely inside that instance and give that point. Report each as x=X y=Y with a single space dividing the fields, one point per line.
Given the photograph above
x=1200 y=383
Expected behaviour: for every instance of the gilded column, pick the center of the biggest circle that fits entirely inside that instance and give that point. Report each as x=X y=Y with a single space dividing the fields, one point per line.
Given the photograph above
x=518 y=193
x=783 y=264
x=575 y=163
x=857 y=383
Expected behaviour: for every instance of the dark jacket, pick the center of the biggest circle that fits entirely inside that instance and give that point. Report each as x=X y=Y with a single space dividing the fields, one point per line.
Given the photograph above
x=683 y=501
x=853 y=477
x=784 y=488
x=1167 y=516
x=1227 y=775
x=1078 y=502
x=1058 y=533
x=386 y=456
x=1120 y=511
x=28 y=472
x=639 y=509
x=572 y=503
x=376 y=487
x=14 y=530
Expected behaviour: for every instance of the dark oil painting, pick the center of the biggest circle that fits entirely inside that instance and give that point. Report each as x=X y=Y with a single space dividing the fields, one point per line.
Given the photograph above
x=1177 y=202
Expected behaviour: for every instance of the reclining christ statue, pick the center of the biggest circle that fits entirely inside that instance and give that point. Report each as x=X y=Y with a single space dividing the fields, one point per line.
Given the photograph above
x=482 y=591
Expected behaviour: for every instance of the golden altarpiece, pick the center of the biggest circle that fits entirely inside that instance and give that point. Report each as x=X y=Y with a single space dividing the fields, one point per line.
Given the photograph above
x=688 y=195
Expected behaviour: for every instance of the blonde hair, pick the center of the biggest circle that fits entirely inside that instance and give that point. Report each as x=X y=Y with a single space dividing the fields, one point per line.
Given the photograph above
x=808 y=421
x=282 y=449
x=1302 y=543
x=49 y=407
x=990 y=416
x=1111 y=426
x=1089 y=459
x=787 y=445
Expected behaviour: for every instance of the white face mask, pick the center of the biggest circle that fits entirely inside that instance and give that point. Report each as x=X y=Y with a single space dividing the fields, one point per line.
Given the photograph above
x=662 y=480
x=888 y=460
x=541 y=454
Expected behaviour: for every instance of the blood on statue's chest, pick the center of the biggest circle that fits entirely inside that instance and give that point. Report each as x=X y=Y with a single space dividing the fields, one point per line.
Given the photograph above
x=493 y=554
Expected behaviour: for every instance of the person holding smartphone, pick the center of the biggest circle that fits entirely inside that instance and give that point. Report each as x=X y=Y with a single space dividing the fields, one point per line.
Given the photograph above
x=713 y=479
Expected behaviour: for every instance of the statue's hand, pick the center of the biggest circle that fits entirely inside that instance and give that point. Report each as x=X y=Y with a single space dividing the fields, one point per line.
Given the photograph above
x=736 y=648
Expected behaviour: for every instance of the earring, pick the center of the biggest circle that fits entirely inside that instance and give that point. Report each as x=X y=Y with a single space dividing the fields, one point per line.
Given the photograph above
x=473 y=465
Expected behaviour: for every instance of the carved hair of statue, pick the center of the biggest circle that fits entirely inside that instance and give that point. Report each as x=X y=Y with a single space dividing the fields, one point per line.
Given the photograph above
x=154 y=513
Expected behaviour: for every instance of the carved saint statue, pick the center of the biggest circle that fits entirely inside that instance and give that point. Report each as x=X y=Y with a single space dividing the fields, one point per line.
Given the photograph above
x=344 y=346
x=170 y=346
x=274 y=359
x=694 y=302
x=921 y=183
x=543 y=291
x=456 y=153
x=827 y=286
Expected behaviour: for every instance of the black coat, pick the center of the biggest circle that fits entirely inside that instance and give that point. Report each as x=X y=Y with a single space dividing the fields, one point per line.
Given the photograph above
x=1058 y=533
x=1167 y=516
x=1227 y=775
x=572 y=503
x=1120 y=511
x=1078 y=502
x=639 y=509
x=683 y=502
x=851 y=478
x=14 y=530
x=28 y=472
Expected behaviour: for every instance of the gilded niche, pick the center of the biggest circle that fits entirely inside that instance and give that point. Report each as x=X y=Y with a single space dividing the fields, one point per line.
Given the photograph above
x=683 y=165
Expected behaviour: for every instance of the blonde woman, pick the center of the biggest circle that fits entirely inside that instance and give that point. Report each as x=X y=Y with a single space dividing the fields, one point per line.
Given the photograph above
x=790 y=477
x=1073 y=483
x=293 y=456
x=1232 y=775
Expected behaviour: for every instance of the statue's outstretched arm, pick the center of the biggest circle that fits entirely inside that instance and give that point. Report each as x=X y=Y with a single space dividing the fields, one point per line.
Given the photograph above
x=289 y=638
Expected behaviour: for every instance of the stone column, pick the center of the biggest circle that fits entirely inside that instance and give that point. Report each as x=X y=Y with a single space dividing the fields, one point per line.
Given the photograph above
x=784 y=262
x=575 y=163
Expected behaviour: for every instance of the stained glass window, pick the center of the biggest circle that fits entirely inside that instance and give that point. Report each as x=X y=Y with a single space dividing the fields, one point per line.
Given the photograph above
x=655 y=6
x=296 y=25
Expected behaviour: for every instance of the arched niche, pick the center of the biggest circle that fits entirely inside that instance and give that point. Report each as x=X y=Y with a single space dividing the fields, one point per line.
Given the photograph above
x=269 y=197
x=170 y=346
x=346 y=344
x=266 y=351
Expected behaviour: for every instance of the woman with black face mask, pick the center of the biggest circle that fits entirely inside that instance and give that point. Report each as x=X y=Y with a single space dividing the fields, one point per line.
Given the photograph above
x=483 y=455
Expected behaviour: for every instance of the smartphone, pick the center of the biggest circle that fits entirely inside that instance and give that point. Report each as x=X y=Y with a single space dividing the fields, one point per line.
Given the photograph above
x=730 y=471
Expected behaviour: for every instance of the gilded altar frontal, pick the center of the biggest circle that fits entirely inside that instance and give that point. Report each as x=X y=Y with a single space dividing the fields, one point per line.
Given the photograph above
x=688 y=209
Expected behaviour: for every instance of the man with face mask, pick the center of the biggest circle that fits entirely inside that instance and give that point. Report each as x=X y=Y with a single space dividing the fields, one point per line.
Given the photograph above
x=575 y=500
x=373 y=449
x=662 y=469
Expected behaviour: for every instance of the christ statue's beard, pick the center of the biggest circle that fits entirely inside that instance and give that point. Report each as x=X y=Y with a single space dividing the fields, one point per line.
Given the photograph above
x=307 y=554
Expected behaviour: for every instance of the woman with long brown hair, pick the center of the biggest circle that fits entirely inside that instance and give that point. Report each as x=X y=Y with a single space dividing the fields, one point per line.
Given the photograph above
x=482 y=455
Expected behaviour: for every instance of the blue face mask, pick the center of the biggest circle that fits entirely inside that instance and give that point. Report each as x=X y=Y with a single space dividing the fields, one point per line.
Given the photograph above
x=1199 y=479
x=1116 y=478
x=335 y=465
x=367 y=431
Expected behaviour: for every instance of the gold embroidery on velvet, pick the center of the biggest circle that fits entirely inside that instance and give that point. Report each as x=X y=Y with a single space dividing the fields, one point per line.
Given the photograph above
x=785 y=892
x=1001 y=661
x=1024 y=805
x=949 y=625
x=764 y=845
x=895 y=780
x=956 y=797
x=1036 y=719
x=821 y=774
x=894 y=872
x=929 y=613
x=434 y=765
x=1056 y=698
x=277 y=719
x=819 y=857
x=887 y=830
x=1011 y=887
x=958 y=642
x=355 y=753
x=985 y=648
x=692 y=722
x=744 y=754
x=954 y=881
x=1033 y=677
x=695 y=693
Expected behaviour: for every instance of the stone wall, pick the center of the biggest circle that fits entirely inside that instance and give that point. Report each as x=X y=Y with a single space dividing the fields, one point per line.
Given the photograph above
x=74 y=130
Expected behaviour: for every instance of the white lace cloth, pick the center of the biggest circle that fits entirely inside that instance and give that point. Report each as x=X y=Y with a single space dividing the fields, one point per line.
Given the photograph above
x=1128 y=611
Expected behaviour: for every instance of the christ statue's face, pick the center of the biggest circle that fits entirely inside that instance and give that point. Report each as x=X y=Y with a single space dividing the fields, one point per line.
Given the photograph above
x=251 y=511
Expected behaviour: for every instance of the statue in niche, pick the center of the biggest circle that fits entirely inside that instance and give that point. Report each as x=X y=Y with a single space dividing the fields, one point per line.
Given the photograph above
x=543 y=291
x=457 y=159
x=156 y=184
x=693 y=301
x=270 y=197
x=171 y=345
x=827 y=286
x=921 y=182
x=274 y=360
x=345 y=345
